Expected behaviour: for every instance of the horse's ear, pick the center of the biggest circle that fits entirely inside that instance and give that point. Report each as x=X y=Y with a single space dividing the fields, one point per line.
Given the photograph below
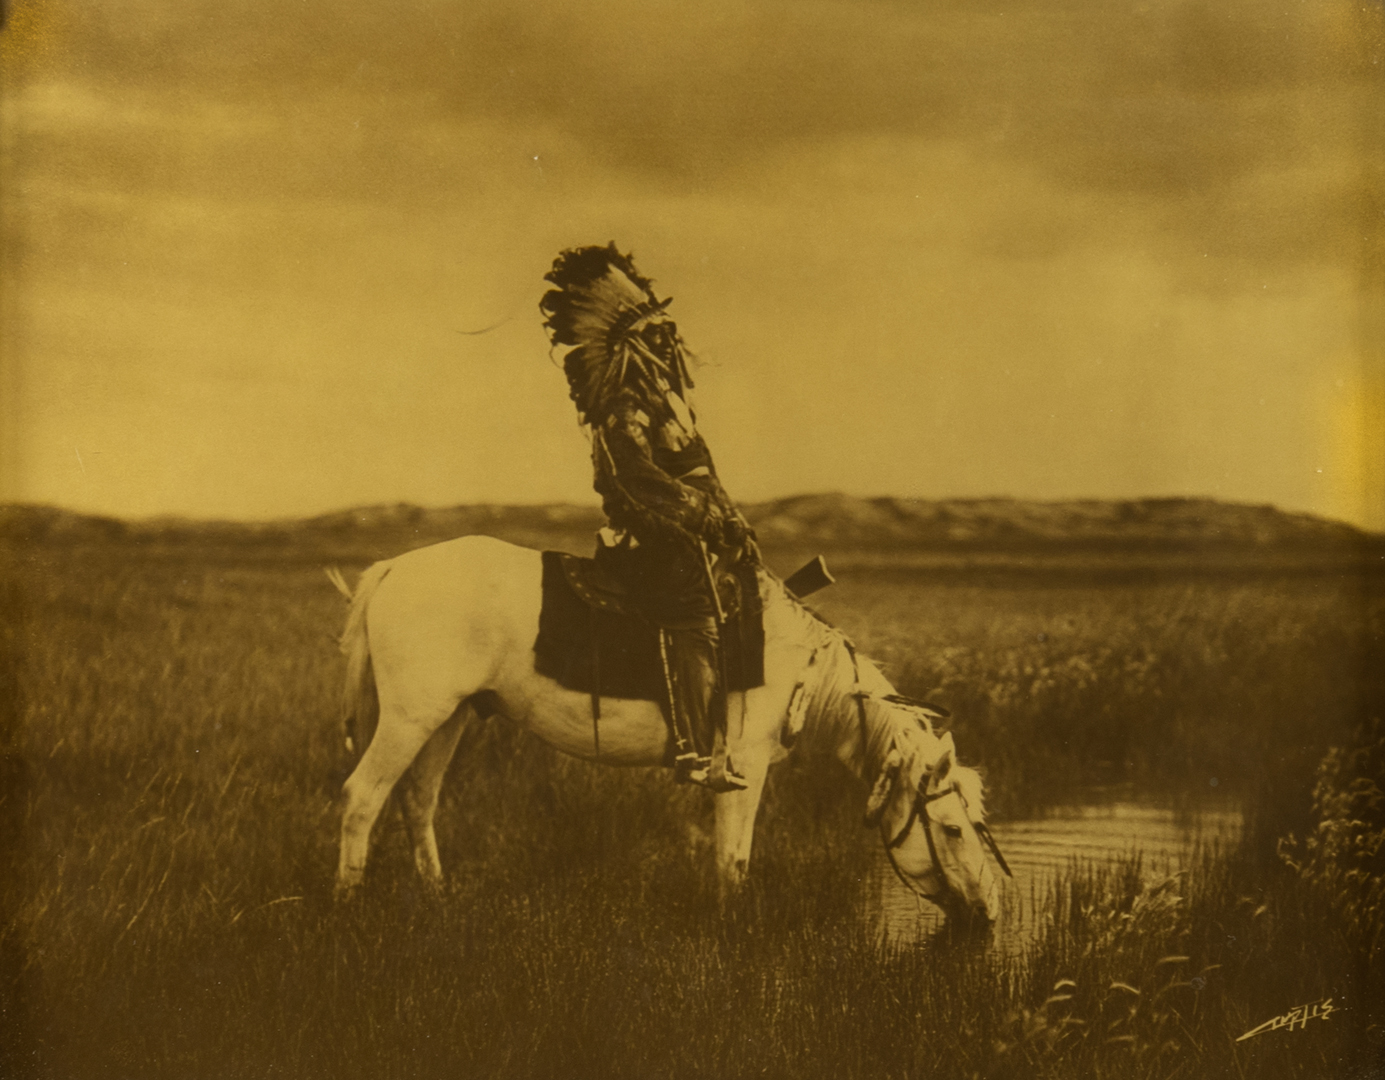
x=884 y=784
x=943 y=765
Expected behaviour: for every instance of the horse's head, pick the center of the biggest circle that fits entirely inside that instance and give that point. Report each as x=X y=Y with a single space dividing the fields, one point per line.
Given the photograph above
x=932 y=821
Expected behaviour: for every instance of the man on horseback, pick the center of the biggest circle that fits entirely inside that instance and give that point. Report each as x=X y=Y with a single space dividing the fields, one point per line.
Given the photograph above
x=674 y=538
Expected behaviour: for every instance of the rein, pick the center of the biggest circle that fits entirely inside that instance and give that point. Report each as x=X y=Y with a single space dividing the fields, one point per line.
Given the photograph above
x=856 y=692
x=921 y=801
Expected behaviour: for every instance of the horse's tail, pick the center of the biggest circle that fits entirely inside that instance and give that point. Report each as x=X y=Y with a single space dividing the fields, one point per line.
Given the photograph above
x=360 y=702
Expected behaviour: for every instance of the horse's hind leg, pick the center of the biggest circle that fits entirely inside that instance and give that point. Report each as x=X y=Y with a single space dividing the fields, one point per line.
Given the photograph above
x=421 y=787
x=396 y=744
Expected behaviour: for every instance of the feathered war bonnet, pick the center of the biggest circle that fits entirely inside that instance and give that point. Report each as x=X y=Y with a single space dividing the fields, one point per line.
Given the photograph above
x=622 y=338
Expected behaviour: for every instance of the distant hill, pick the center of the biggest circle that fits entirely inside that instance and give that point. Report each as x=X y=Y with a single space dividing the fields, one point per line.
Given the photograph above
x=830 y=521
x=841 y=520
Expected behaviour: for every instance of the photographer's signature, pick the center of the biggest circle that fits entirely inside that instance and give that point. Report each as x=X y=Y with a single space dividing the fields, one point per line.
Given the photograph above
x=1299 y=1015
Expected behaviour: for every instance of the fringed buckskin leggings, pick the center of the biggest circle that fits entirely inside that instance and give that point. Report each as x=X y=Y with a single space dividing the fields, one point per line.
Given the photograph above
x=691 y=673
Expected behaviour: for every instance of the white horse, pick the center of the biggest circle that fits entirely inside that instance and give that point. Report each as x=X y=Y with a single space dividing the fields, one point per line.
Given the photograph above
x=444 y=634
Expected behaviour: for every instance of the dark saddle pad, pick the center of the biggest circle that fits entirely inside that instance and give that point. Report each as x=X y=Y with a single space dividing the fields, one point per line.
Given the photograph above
x=591 y=638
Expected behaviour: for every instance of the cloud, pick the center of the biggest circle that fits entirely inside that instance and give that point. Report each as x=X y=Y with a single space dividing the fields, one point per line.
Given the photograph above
x=1189 y=105
x=687 y=90
x=212 y=206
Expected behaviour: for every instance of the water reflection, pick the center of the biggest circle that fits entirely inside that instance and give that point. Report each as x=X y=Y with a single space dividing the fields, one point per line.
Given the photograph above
x=1036 y=849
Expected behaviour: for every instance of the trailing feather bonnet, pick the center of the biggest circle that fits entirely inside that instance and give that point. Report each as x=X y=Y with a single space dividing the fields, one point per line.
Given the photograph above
x=621 y=336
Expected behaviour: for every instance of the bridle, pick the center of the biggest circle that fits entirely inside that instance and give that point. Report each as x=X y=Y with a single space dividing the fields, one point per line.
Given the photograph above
x=919 y=810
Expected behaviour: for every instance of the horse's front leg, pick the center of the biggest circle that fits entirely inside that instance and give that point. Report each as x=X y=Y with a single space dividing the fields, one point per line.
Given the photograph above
x=735 y=816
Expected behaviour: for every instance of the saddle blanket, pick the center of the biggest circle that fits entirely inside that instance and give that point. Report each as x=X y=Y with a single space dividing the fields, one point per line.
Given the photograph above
x=589 y=642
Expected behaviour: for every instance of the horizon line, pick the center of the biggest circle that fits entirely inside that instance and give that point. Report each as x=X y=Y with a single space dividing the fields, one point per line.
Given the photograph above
x=596 y=507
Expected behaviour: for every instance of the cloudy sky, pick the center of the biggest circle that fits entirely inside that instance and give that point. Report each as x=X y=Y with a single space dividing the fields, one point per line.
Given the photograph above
x=1042 y=248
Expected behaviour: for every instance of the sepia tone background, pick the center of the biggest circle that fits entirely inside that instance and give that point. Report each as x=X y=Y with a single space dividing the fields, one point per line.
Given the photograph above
x=958 y=249
x=1056 y=326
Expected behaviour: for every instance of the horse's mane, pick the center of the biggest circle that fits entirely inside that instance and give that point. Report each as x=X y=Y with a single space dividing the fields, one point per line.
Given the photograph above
x=969 y=782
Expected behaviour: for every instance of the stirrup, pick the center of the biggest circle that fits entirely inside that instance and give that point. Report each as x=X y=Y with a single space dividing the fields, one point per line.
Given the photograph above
x=684 y=765
x=729 y=780
x=692 y=768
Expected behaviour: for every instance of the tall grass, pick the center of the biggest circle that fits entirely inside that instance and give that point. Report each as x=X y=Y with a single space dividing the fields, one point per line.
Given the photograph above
x=174 y=763
x=1197 y=684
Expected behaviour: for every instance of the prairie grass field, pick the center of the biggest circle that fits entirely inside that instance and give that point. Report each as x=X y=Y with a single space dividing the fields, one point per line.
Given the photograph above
x=173 y=754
